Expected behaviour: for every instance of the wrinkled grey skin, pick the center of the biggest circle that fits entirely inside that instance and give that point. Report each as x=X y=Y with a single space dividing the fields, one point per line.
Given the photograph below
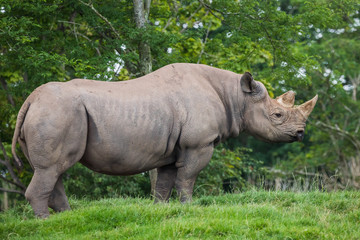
x=170 y=119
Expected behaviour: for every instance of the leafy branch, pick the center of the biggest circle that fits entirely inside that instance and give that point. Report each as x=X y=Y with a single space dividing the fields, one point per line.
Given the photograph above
x=14 y=179
x=354 y=141
x=91 y=6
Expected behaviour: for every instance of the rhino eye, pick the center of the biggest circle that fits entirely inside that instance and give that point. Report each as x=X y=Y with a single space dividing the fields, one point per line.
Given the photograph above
x=278 y=115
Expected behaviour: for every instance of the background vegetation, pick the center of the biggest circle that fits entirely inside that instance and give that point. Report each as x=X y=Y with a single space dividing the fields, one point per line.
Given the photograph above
x=311 y=47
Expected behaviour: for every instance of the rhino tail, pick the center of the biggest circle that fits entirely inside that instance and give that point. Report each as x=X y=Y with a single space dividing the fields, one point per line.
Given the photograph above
x=17 y=132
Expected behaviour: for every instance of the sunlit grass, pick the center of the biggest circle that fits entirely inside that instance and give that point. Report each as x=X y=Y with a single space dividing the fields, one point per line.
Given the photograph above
x=249 y=215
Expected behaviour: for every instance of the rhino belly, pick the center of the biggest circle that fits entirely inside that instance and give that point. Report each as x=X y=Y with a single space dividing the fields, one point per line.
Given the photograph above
x=123 y=163
x=125 y=151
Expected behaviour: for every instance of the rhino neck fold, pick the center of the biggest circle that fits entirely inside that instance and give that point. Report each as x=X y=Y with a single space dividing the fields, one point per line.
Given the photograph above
x=239 y=103
x=236 y=108
x=227 y=88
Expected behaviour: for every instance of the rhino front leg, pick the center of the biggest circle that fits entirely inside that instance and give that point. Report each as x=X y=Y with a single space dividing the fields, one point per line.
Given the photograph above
x=189 y=164
x=58 y=200
x=165 y=182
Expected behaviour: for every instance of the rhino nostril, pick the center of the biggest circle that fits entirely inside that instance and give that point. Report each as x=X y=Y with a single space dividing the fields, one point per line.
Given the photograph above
x=300 y=135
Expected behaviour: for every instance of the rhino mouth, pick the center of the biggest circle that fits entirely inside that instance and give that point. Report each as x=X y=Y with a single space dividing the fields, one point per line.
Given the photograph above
x=298 y=136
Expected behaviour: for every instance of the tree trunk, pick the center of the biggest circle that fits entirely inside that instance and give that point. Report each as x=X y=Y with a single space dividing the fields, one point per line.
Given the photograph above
x=141 y=16
x=145 y=65
x=277 y=184
x=355 y=82
x=5 y=203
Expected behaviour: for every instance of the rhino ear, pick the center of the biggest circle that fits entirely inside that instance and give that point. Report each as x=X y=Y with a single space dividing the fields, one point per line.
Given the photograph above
x=247 y=83
x=307 y=107
x=287 y=99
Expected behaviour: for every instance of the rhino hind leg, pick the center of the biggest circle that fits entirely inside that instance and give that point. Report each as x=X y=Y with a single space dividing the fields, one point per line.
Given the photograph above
x=189 y=164
x=165 y=183
x=46 y=188
x=54 y=145
x=58 y=200
x=39 y=190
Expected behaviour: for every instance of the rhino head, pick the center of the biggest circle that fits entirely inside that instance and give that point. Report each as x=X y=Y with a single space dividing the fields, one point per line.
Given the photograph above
x=273 y=120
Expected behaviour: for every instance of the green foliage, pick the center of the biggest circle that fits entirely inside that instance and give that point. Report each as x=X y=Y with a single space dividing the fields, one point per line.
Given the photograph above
x=227 y=167
x=81 y=182
x=250 y=215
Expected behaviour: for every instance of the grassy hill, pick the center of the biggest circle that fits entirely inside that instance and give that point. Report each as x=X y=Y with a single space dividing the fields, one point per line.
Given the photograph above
x=249 y=215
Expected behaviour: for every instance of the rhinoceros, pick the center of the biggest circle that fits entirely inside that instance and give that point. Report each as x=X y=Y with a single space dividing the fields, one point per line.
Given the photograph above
x=170 y=119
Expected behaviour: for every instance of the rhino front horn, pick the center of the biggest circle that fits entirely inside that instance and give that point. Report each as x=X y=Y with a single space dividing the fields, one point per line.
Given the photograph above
x=287 y=99
x=307 y=107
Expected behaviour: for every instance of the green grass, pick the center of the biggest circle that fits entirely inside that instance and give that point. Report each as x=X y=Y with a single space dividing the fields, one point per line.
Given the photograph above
x=249 y=215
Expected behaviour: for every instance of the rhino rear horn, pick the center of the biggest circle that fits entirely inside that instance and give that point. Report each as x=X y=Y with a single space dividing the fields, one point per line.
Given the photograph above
x=247 y=83
x=287 y=99
x=307 y=107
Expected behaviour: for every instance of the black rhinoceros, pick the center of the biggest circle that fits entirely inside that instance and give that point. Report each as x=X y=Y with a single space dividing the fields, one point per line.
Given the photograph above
x=170 y=119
